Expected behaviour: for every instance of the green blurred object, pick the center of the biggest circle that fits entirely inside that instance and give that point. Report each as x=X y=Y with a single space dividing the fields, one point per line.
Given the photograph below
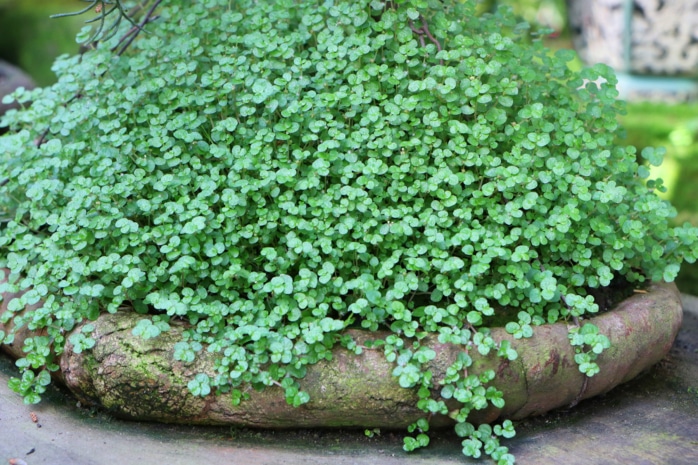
x=32 y=40
x=546 y=13
x=675 y=127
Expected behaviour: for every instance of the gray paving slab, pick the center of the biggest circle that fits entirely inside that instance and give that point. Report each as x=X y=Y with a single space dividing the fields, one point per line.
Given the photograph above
x=650 y=420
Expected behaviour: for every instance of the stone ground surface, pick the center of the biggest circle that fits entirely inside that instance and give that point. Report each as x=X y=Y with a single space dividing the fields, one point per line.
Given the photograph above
x=650 y=420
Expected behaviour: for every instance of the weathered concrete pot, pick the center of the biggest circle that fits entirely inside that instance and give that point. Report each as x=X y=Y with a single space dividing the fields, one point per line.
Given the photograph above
x=139 y=379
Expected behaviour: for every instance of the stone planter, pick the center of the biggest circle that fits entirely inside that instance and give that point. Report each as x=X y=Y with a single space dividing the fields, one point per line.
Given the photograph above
x=139 y=379
x=642 y=40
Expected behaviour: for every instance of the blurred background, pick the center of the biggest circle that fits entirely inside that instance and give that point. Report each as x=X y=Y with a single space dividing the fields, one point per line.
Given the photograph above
x=652 y=45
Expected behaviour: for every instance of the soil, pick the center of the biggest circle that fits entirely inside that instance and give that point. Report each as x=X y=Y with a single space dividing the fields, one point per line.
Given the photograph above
x=650 y=420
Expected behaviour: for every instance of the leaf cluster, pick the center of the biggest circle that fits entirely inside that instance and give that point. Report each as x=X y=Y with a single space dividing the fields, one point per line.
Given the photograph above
x=588 y=344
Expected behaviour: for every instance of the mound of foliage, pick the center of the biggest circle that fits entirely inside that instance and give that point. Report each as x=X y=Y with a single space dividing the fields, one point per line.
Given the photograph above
x=273 y=172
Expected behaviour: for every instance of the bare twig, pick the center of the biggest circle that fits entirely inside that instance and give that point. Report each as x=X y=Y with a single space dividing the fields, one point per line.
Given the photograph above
x=75 y=13
x=136 y=29
x=419 y=32
x=582 y=391
x=42 y=138
x=424 y=31
x=102 y=10
x=574 y=317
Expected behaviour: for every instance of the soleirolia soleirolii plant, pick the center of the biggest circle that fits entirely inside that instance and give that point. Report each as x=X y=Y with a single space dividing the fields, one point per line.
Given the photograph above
x=274 y=172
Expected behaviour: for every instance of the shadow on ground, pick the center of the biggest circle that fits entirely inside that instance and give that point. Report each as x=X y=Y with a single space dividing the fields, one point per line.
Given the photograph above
x=650 y=420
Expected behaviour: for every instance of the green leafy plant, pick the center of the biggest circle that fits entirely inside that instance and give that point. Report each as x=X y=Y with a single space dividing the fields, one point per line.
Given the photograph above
x=588 y=337
x=273 y=173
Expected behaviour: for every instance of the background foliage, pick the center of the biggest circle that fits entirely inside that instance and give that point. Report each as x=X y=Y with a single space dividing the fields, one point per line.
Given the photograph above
x=31 y=41
x=674 y=126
